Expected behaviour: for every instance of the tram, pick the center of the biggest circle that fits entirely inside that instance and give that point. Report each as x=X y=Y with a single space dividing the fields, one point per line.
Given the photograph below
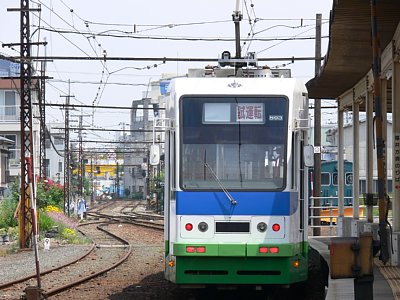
x=236 y=184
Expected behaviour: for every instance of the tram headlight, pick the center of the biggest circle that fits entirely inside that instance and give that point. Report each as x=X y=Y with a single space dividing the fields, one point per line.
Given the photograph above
x=203 y=226
x=261 y=227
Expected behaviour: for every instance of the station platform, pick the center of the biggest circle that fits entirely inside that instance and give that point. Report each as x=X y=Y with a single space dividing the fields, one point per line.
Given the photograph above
x=386 y=284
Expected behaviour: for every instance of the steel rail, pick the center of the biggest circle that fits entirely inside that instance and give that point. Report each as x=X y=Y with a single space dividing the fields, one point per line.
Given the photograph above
x=60 y=289
x=22 y=279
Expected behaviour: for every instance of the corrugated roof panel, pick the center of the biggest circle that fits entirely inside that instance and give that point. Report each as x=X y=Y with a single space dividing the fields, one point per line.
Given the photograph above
x=349 y=54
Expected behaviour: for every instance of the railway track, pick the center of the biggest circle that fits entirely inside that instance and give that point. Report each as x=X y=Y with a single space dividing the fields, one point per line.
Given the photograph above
x=128 y=212
x=107 y=252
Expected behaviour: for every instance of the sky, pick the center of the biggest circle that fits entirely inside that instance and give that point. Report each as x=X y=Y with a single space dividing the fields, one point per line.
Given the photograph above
x=154 y=28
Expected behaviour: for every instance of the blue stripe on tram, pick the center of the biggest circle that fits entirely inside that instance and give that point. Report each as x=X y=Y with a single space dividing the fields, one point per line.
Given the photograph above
x=248 y=203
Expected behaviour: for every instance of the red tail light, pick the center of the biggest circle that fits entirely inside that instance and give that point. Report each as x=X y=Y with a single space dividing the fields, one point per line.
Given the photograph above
x=276 y=227
x=193 y=249
x=190 y=249
x=263 y=250
x=189 y=227
x=274 y=250
x=201 y=249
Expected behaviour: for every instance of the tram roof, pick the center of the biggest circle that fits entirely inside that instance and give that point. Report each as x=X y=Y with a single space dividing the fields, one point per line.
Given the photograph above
x=349 y=55
x=237 y=85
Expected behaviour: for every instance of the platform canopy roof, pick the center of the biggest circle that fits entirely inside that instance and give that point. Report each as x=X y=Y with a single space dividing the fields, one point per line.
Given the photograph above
x=349 y=55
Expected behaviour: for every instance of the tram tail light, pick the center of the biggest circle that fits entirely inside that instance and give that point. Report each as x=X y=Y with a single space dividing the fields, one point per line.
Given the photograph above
x=201 y=249
x=189 y=226
x=190 y=249
x=276 y=227
x=274 y=250
x=268 y=250
x=195 y=249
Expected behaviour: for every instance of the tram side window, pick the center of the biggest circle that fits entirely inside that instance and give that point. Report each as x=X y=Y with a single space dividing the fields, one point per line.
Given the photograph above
x=334 y=179
x=325 y=178
x=349 y=178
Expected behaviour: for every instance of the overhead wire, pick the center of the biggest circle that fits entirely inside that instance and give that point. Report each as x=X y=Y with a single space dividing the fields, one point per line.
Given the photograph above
x=252 y=24
x=101 y=87
x=105 y=82
x=295 y=36
x=130 y=35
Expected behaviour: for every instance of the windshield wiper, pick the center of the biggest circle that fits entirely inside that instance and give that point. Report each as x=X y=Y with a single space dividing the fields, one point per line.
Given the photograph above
x=233 y=201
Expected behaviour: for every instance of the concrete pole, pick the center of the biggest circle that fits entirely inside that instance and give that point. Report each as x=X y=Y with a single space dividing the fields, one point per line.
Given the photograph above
x=395 y=257
x=396 y=145
x=356 y=158
x=317 y=133
x=384 y=128
x=340 y=165
x=370 y=147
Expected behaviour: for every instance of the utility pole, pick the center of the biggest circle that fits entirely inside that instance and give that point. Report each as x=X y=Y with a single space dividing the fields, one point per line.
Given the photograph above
x=42 y=116
x=117 y=181
x=81 y=168
x=26 y=215
x=67 y=154
x=92 y=188
x=317 y=135
x=81 y=162
x=380 y=141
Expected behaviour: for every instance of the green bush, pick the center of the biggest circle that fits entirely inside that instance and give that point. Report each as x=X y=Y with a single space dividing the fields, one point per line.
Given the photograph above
x=7 y=210
x=49 y=193
x=45 y=222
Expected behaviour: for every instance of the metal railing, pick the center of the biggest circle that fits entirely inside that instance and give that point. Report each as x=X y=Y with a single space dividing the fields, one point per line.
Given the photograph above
x=329 y=214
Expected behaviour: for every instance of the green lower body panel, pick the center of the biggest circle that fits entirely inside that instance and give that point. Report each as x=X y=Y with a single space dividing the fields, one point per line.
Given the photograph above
x=240 y=270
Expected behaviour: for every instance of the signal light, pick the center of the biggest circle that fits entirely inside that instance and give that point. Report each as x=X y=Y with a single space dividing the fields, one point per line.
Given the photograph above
x=296 y=264
x=263 y=250
x=276 y=227
x=189 y=227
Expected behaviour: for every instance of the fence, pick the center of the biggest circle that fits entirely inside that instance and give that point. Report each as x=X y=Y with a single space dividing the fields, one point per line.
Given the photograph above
x=329 y=213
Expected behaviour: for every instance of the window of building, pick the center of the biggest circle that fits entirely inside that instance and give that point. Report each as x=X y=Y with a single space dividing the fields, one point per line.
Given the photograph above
x=12 y=148
x=47 y=164
x=8 y=105
x=58 y=141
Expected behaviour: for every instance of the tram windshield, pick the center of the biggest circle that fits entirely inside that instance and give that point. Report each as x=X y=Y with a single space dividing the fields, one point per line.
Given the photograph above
x=242 y=140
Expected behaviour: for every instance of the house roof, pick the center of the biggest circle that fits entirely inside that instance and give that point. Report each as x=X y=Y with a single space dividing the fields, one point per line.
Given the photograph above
x=349 y=55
